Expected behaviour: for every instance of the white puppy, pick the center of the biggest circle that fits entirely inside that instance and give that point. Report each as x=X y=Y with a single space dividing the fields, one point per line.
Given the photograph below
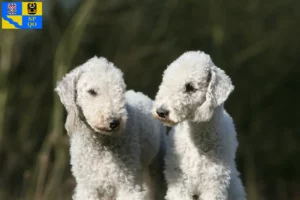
x=200 y=160
x=115 y=142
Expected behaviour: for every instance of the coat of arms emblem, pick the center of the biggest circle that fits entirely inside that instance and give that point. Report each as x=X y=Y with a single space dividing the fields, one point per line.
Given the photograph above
x=31 y=8
x=12 y=8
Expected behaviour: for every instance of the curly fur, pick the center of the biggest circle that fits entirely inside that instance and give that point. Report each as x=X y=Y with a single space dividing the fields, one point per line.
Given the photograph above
x=200 y=160
x=111 y=164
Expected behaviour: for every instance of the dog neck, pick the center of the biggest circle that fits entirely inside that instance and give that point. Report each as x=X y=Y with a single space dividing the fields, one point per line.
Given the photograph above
x=204 y=134
x=202 y=125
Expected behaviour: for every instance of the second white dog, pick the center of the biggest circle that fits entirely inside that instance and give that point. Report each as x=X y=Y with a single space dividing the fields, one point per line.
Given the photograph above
x=200 y=161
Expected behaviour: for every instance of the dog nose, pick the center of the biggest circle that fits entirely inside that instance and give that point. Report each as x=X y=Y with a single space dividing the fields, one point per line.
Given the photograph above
x=161 y=112
x=114 y=124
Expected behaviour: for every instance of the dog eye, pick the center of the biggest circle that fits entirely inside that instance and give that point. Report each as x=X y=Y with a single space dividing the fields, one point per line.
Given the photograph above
x=92 y=92
x=189 y=88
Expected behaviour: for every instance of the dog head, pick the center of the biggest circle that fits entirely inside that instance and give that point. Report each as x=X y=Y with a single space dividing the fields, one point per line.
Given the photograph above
x=94 y=91
x=191 y=89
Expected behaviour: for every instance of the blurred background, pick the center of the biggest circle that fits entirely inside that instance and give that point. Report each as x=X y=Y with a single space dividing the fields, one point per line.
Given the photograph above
x=256 y=42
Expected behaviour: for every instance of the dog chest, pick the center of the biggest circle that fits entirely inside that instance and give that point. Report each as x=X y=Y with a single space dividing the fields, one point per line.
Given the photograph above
x=195 y=160
x=101 y=166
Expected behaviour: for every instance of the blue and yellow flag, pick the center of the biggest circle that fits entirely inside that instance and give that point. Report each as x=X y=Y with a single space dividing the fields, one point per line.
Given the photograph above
x=22 y=15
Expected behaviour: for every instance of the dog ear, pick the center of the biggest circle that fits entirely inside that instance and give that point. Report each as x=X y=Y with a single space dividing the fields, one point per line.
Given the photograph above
x=66 y=89
x=72 y=123
x=218 y=90
x=220 y=86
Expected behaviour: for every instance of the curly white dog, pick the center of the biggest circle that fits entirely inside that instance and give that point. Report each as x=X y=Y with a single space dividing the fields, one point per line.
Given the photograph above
x=117 y=147
x=200 y=160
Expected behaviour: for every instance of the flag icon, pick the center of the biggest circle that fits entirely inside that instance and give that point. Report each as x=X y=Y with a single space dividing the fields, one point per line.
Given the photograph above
x=22 y=15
